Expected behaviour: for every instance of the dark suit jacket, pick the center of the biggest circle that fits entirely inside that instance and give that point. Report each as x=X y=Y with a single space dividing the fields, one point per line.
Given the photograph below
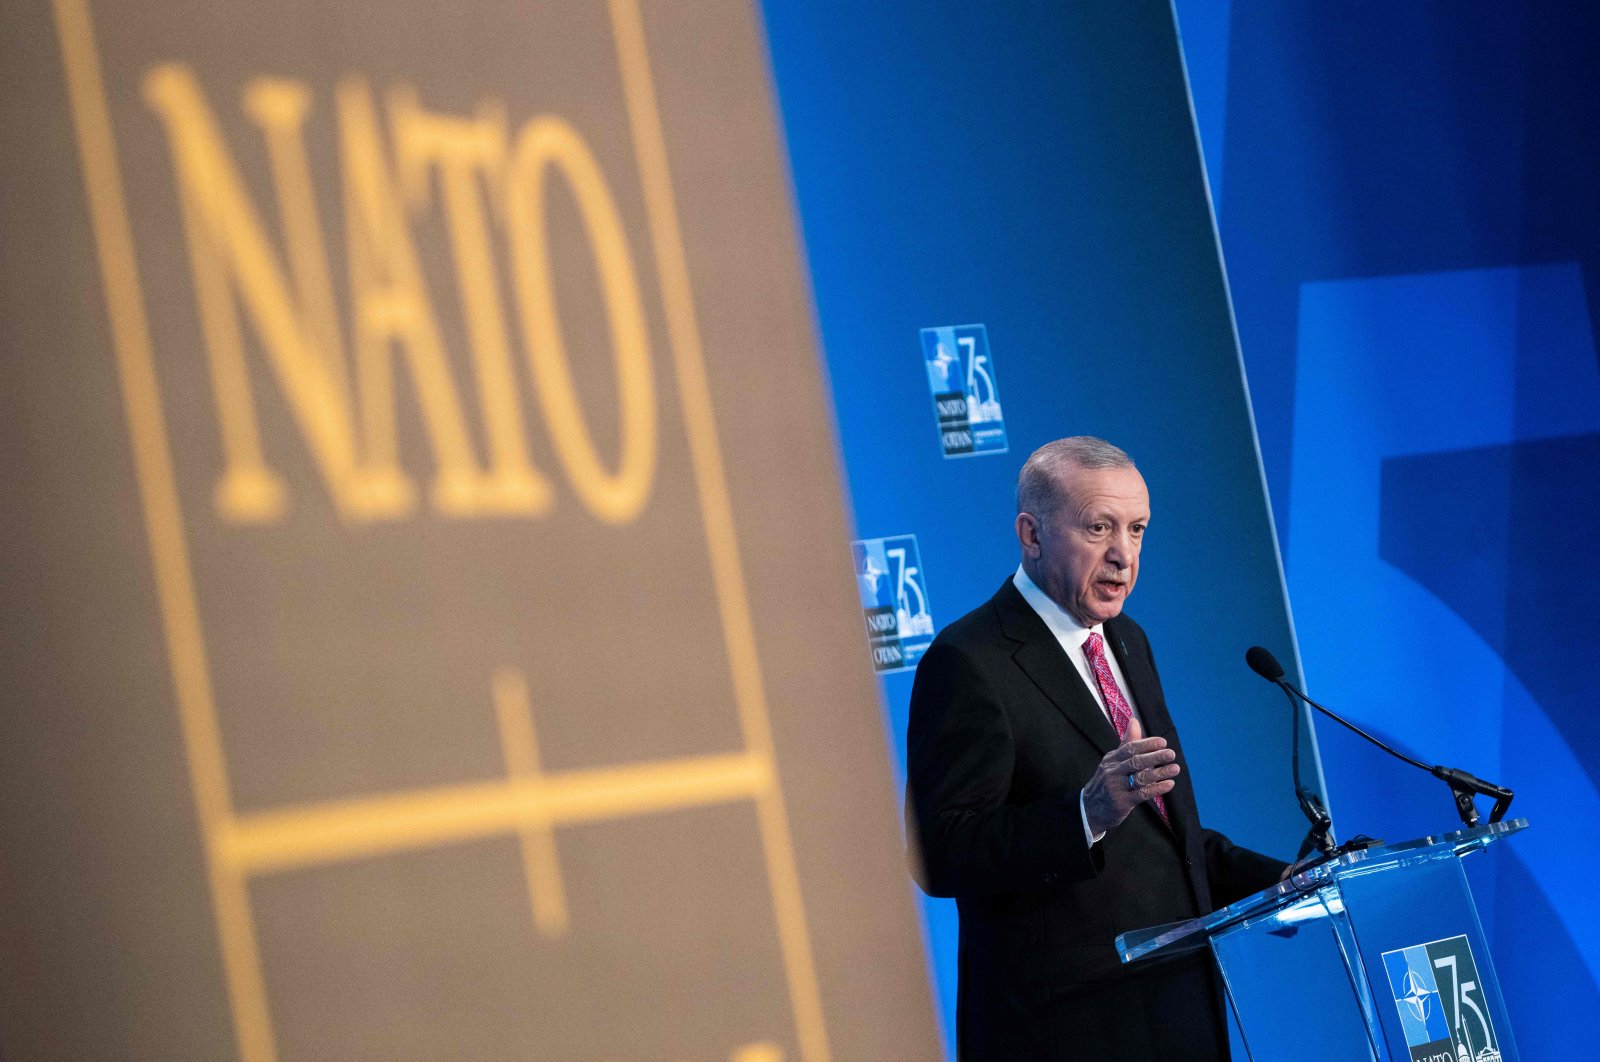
x=1003 y=736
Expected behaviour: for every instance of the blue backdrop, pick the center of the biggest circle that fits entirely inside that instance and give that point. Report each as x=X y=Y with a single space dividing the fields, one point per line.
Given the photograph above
x=959 y=164
x=1408 y=208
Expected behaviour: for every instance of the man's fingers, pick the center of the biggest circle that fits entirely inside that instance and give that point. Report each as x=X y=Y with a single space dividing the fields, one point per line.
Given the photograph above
x=1135 y=731
x=1154 y=758
x=1151 y=776
x=1137 y=756
x=1125 y=753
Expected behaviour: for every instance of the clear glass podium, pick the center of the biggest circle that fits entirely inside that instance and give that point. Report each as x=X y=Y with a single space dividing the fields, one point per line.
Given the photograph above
x=1377 y=954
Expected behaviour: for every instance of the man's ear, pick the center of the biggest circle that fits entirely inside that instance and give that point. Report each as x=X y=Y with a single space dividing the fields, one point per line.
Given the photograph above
x=1028 y=534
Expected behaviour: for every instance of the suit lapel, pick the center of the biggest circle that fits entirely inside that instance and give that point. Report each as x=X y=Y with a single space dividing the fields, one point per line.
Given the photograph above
x=1042 y=659
x=1146 y=690
x=1142 y=682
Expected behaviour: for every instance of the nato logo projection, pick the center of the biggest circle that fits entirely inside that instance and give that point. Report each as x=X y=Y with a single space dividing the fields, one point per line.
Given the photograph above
x=966 y=396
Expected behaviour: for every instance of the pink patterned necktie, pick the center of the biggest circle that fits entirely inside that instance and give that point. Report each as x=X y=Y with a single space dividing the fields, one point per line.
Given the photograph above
x=1116 y=703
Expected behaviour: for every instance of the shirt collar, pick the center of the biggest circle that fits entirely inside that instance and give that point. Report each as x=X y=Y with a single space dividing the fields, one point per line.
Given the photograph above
x=1063 y=624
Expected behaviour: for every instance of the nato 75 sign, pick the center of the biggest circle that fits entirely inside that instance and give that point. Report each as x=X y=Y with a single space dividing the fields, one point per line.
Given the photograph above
x=966 y=393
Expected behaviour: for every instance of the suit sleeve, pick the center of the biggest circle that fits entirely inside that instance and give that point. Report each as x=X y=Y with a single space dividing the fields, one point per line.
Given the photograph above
x=960 y=756
x=1235 y=872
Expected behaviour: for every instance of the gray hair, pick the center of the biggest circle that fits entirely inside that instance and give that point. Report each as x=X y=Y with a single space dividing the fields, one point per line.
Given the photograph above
x=1038 y=485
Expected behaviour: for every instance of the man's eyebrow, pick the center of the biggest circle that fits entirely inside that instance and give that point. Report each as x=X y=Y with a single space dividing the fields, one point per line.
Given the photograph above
x=1107 y=514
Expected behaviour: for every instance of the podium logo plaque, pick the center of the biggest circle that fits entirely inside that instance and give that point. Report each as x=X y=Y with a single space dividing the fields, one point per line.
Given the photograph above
x=1439 y=995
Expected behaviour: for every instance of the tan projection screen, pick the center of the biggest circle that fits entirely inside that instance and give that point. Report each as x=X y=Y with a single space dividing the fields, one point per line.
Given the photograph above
x=429 y=631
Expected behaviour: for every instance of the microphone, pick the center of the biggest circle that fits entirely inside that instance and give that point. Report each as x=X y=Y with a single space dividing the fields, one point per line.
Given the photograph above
x=1263 y=663
x=1462 y=784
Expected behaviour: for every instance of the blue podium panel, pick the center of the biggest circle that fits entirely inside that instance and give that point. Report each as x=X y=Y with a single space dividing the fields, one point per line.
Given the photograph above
x=1288 y=970
x=1426 y=958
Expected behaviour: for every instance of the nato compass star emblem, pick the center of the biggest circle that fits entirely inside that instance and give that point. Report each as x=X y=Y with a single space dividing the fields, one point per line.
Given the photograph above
x=1415 y=996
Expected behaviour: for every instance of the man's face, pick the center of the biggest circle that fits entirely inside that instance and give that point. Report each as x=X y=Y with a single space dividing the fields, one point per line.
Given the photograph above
x=1085 y=555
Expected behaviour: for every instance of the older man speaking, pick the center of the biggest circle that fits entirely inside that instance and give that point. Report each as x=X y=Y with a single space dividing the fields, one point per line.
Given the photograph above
x=1048 y=791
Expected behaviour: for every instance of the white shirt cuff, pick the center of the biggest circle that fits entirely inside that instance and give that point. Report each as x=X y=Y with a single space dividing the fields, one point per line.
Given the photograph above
x=1091 y=839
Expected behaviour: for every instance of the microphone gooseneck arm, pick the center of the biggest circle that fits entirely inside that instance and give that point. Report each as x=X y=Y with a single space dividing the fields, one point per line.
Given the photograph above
x=1462 y=784
x=1320 y=836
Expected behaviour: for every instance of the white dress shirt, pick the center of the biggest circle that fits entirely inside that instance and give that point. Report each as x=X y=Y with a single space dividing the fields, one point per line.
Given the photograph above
x=1073 y=637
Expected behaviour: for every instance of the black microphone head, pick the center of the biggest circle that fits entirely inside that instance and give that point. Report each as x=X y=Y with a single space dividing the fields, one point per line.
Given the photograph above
x=1263 y=663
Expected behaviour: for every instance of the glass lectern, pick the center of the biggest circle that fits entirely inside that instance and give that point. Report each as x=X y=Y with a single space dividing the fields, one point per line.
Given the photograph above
x=1376 y=954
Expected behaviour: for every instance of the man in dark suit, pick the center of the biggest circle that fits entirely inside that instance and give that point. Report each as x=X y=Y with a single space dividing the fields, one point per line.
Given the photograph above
x=1041 y=806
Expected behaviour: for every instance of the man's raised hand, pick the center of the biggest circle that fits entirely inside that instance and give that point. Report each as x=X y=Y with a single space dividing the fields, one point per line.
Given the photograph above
x=1108 y=798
